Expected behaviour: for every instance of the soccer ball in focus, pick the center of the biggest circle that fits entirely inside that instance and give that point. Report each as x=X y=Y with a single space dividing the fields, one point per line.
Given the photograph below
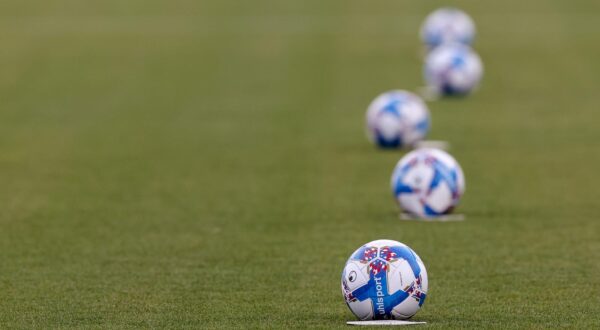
x=453 y=69
x=428 y=183
x=384 y=279
x=397 y=119
x=447 y=25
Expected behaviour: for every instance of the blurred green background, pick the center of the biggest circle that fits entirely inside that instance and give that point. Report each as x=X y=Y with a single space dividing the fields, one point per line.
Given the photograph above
x=203 y=164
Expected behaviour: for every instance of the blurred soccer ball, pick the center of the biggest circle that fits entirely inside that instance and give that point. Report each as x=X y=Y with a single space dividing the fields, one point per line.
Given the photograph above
x=384 y=279
x=447 y=25
x=428 y=183
x=453 y=69
x=396 y=119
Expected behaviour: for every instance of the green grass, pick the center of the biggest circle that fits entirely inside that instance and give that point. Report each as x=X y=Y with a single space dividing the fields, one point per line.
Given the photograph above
x=196 y=164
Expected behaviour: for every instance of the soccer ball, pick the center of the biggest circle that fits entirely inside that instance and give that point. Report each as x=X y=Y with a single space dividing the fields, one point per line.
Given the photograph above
x=428 y=183
x=447 y=25
x=453 y=69
x=396 y=119
x=384 y=279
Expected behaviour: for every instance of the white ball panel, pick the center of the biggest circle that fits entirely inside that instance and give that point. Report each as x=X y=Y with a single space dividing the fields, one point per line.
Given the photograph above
x=411 y=203
x=356 y=274
x=406 y=309
x=400 y=270
x=440 y=198
x=419 y=177
x=389 y=126
x=362 y=309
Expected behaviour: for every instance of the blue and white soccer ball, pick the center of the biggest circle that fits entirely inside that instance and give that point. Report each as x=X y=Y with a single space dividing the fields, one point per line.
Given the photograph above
x=397 y=119
x=428 y=183
x=384 y=279
x=447 y=25
x=453 y=69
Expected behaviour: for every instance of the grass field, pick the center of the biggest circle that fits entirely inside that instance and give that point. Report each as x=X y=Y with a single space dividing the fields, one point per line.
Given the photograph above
x=203 y=164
